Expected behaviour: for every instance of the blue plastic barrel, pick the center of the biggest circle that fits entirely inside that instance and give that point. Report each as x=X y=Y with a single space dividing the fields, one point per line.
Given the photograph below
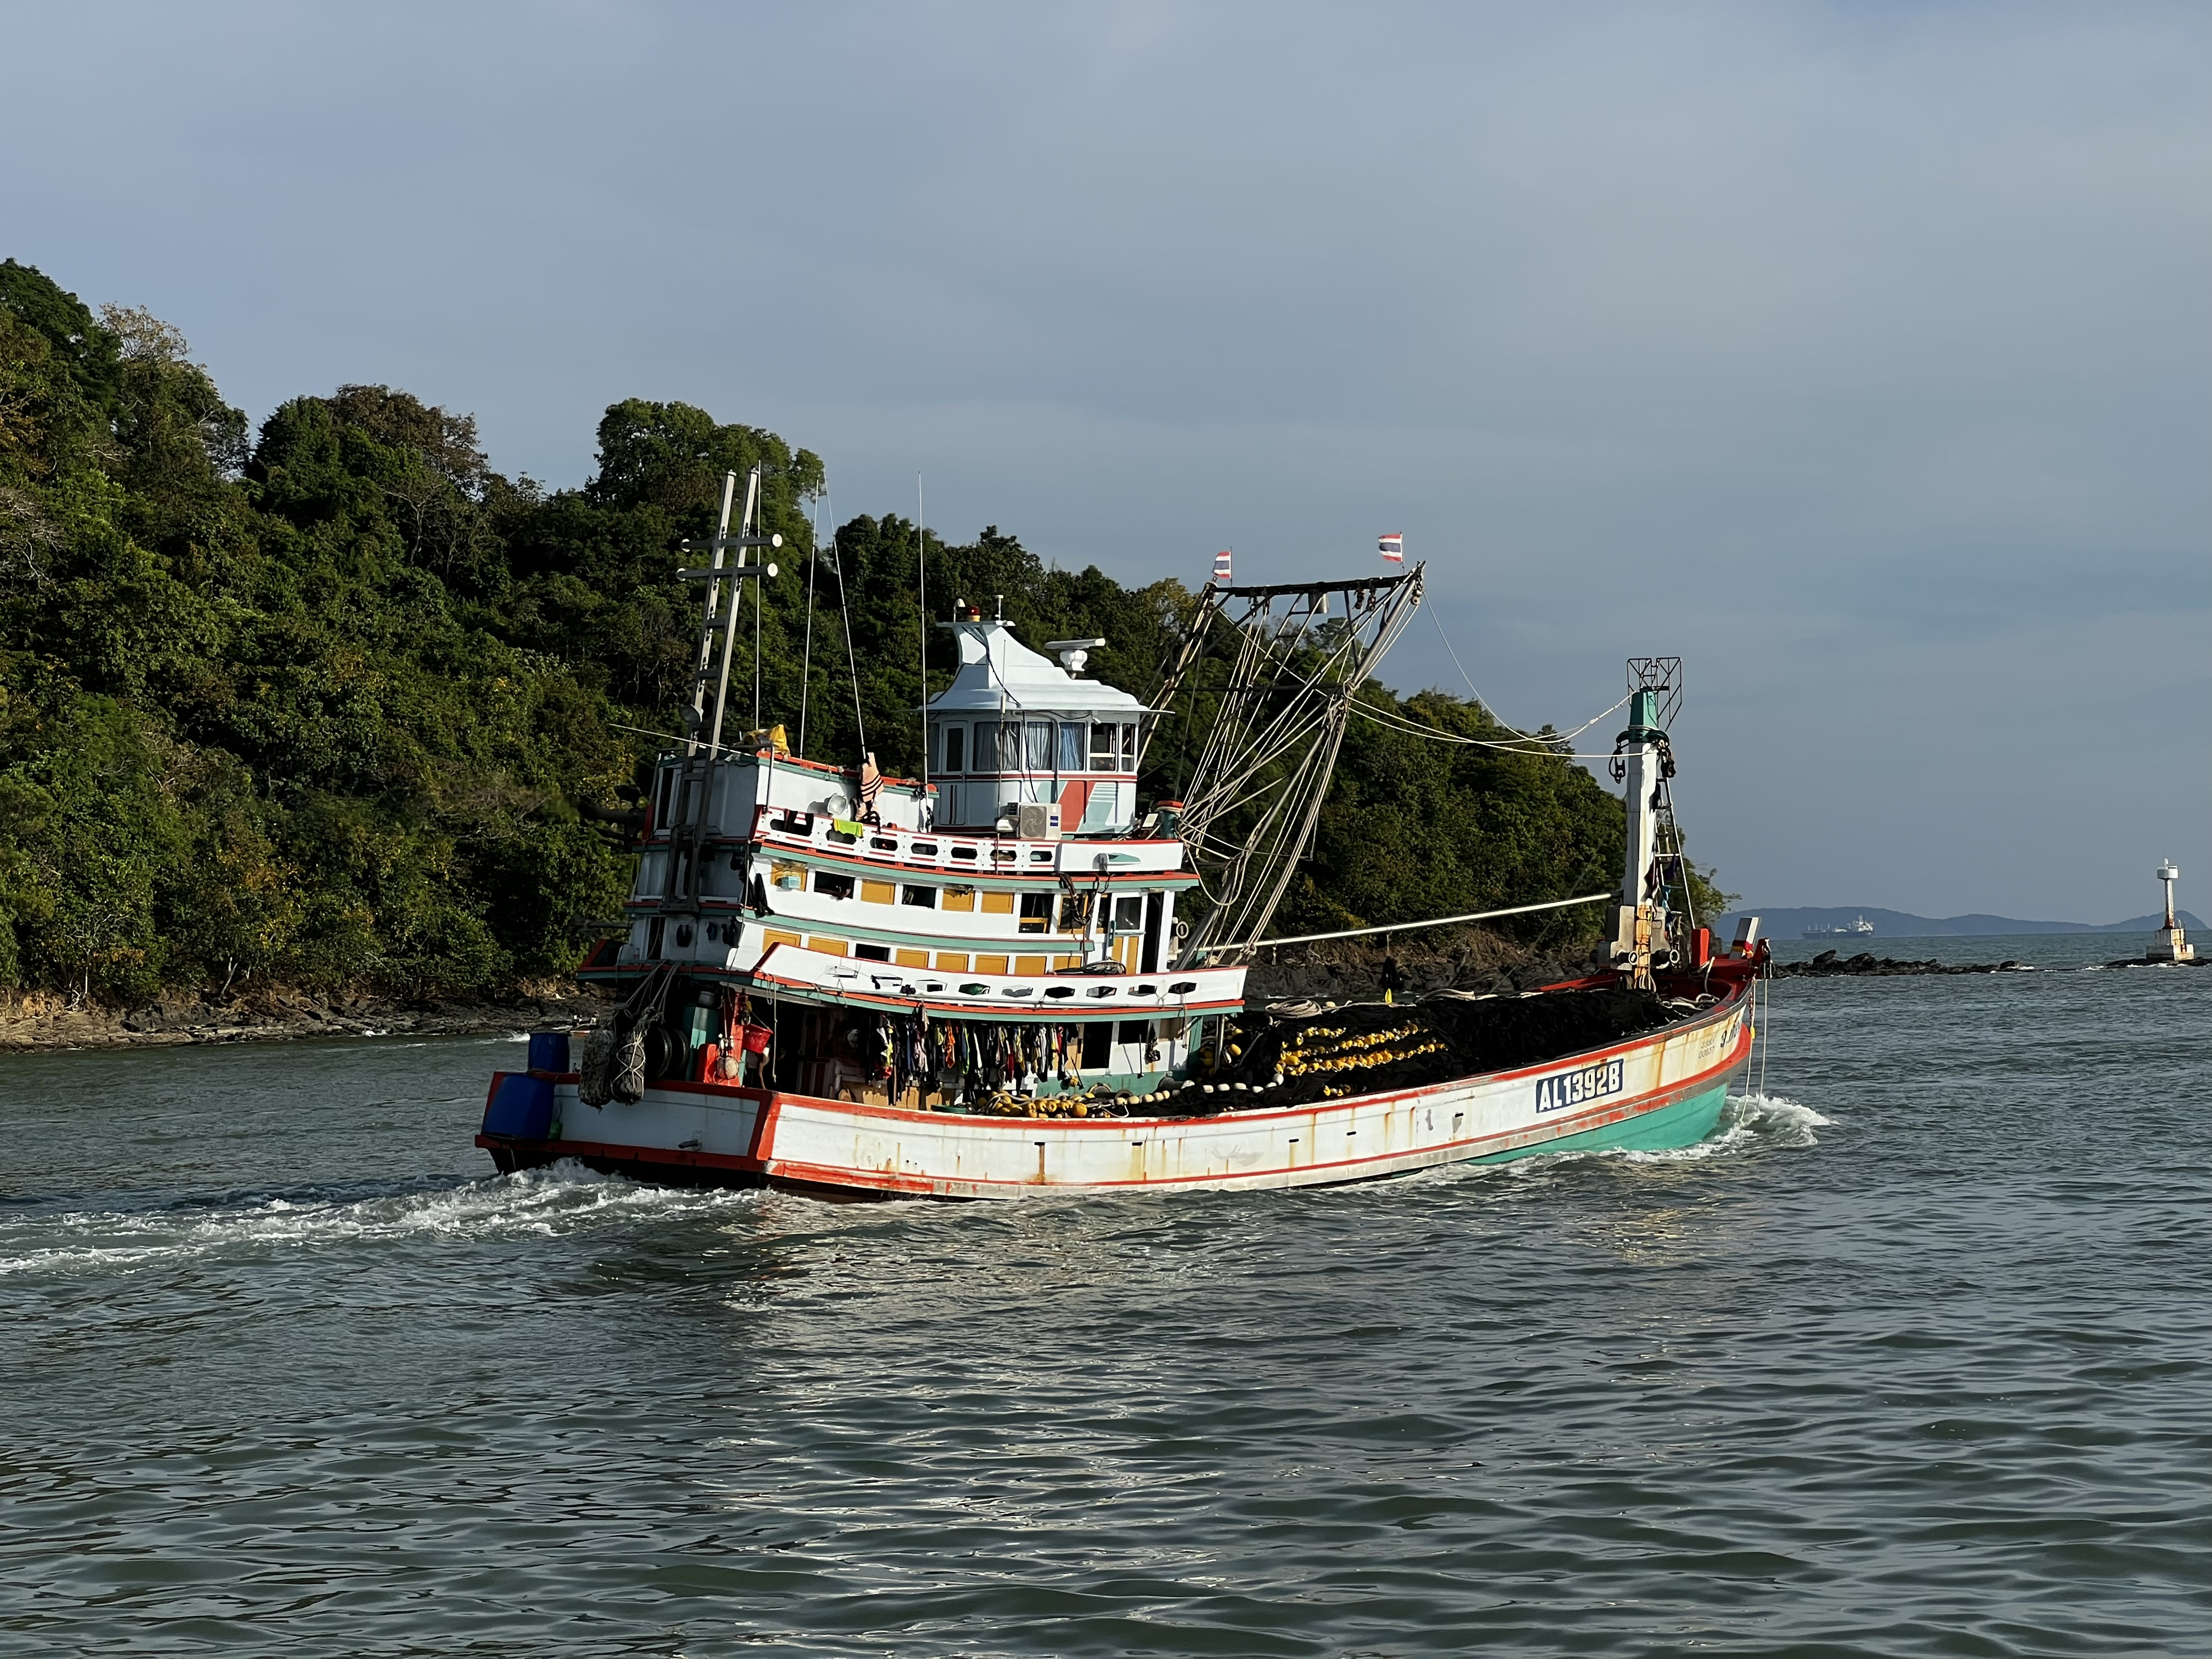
x=549 y=1052
x=521 y=1105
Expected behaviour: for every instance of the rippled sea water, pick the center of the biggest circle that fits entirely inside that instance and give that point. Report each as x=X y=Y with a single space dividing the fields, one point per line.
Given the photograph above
x=1916 y=1358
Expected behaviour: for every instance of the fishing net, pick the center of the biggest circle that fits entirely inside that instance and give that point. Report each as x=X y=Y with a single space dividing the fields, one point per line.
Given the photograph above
x=1375 y=1048
x=595 y=1085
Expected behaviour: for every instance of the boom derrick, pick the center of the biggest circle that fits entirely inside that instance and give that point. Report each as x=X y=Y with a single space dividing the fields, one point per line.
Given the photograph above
x=1255 y=793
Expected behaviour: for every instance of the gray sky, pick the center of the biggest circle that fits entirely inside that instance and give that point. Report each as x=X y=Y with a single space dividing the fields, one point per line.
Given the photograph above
x=1858 y=354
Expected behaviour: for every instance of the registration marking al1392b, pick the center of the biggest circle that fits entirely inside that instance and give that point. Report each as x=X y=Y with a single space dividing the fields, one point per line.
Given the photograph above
x=1578 y=1088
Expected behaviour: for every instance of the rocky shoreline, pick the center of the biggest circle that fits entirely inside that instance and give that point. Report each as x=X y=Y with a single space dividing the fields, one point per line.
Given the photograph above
x=40 y=1022
x=1830 y=964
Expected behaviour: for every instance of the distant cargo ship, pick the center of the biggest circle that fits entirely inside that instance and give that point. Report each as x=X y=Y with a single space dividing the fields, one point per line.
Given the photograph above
x=1858 y=925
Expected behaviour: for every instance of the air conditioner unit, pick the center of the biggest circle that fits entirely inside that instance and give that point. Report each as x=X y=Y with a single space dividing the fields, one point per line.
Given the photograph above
x=1036 y=821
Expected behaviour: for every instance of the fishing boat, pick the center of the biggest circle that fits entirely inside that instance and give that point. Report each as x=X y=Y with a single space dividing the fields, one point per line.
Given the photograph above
x=1857 y=927
x=1013 y=975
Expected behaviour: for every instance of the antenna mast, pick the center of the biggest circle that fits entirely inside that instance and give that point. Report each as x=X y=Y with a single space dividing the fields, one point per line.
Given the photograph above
x=922 y=600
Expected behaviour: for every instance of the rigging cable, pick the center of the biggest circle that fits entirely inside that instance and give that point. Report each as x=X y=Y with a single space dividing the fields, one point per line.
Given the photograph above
x=845 y=612
x=760 y=600
x=806 y=658
x=1535 y=743
x=1488 y=708
x=1397 y=722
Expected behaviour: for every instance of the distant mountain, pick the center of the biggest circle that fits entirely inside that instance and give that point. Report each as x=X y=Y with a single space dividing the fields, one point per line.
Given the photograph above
x=1781 y=924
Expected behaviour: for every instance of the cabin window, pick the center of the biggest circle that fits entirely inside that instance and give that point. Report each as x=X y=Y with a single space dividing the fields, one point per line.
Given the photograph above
x=922 y=898
x=1039 y=736
x=963 y=853
x=1074 y=912
x=1129 y=912
x=1071 y=748
x=922 y=849
x=872 y=953
x=1037 y=913
x=1133 y=1031
x=836 y=887
x=956 y=750
x=1097 y=1045
x=986 y=757
x=1010 y=745
x=1105 y=747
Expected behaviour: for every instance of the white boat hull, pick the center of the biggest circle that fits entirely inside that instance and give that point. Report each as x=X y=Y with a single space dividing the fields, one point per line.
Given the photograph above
x=1664 y=1088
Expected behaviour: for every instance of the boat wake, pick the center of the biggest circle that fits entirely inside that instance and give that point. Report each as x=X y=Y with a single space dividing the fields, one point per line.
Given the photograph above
x=549 y=1201
x=1749 y=1124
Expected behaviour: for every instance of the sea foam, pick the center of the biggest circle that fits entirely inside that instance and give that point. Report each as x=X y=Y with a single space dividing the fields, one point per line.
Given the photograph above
x=542 y=1202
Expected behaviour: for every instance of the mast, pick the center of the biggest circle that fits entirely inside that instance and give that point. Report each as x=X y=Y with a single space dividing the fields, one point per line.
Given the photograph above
x=1644 y=760
x=710 y=687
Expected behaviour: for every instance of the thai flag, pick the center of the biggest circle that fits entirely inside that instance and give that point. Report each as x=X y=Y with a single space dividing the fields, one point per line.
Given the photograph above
x=1393 y=547
x=1221 y=567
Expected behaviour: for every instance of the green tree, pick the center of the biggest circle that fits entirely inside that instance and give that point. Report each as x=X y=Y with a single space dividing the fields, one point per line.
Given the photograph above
x=318 y=708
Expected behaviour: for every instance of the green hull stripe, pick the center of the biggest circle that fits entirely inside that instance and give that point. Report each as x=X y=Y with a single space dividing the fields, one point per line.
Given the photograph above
x=1685 y=1123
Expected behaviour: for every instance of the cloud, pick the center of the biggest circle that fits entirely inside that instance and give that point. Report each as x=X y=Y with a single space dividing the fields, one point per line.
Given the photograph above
x=1846 y=346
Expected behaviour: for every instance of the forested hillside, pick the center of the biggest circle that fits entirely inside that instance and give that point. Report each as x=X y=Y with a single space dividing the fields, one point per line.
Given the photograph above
x=316 y=705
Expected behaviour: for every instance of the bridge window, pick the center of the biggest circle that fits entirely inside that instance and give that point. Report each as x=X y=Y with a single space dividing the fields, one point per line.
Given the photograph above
x=1071 y=748
x=1039 y=736
x=954 y=758
x=1105 y=747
